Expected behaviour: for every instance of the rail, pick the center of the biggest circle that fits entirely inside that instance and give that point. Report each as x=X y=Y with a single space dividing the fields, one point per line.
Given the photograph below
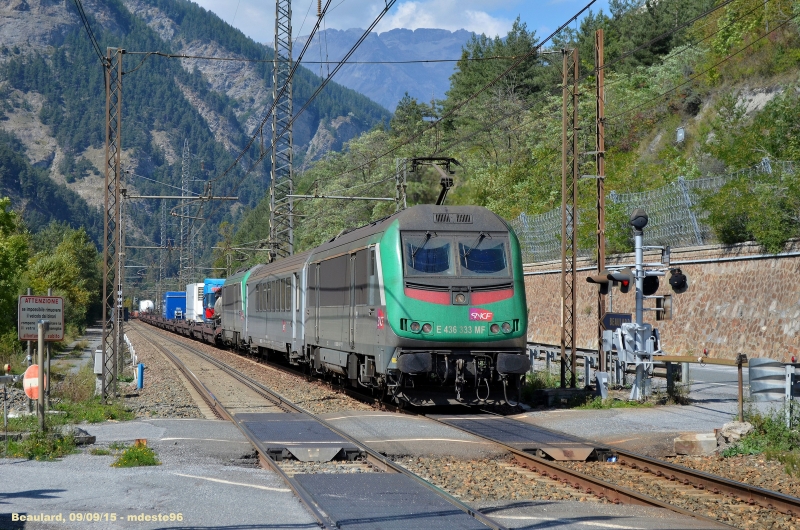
x=373 y=457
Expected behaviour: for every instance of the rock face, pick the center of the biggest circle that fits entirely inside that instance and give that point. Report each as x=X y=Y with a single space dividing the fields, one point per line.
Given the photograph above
x=331 y=136
x=39 y=26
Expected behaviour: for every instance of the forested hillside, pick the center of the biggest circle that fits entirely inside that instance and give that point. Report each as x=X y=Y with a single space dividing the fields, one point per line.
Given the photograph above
x=724 y=71
x=53 y=112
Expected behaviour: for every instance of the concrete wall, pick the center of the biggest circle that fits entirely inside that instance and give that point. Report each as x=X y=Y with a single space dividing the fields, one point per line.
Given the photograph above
x=739 y=300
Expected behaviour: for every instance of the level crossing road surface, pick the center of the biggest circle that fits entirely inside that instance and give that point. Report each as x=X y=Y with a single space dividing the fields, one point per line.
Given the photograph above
x=203 y=477
x=651 y=431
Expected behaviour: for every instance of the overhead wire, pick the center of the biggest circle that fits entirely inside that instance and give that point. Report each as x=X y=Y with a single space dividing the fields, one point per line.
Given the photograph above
x=664 y=35
x=89 y=32
x=246 y=60
x=691 y=45
x=330 y=76
x=433 y=124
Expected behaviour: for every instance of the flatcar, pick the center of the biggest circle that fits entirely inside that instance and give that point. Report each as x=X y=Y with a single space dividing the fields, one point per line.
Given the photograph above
x=427 y=306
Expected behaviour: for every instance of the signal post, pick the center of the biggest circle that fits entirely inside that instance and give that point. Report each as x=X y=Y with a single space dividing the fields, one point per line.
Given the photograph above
x=637 y=342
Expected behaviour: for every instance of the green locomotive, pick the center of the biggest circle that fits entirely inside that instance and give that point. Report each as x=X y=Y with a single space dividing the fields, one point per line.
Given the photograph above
x=427 y=306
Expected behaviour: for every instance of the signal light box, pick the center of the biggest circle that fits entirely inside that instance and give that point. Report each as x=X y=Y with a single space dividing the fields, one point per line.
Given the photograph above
x=32 y=309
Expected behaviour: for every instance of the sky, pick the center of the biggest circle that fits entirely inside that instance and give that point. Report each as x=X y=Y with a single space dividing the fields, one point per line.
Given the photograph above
x=256 y=18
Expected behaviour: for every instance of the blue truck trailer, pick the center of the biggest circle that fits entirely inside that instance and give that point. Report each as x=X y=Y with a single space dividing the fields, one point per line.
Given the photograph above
x=174 y=305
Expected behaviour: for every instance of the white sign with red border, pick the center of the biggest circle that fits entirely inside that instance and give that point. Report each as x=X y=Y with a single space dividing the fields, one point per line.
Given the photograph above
x=32 y=309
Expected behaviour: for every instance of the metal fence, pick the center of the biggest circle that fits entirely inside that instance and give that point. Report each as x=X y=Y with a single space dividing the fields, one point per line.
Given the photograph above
x=675 y=216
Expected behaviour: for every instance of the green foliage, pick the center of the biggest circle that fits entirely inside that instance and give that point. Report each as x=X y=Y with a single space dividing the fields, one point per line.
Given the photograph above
x=791 y=461
x=99 y=451
x=13 y=257
x=770 y=433
x=40 y=446
x=76 y=168
x=759 y=207
x=39 y=199
x=135 y=456
x=94 y=411
x=157 y=106
x=612 y=403
x=68 y=262
x=542 y=379
x=508 y=138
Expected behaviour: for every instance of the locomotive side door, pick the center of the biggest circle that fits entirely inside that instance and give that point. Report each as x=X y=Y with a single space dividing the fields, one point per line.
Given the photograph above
x=351 y=273
x=312 y=303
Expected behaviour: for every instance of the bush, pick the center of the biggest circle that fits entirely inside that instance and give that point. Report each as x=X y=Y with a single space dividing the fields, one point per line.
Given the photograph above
x=135 y=456
x=76 y=387
x=770 y=433
x=41 y=446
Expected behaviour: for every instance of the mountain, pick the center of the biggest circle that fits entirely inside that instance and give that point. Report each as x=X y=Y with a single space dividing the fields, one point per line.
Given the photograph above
x=52 y=109
x=387 y=83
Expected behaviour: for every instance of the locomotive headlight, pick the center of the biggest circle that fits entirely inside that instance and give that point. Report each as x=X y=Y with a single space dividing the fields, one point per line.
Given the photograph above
x=427 y=328
x=494 y=328
x=461 y=298
x=415 y=327
x=506 y=327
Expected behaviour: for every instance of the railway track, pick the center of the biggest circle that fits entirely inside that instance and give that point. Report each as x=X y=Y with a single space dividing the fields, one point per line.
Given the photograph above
x=709 y=494
x=372 y=461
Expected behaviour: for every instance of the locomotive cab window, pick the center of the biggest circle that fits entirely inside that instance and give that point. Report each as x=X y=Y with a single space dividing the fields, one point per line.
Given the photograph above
x=428 y=254
x=483 y=255
x=478 y=254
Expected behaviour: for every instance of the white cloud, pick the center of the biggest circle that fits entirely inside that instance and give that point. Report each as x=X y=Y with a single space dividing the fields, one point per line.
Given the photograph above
x=446 y=14
x=256 y=18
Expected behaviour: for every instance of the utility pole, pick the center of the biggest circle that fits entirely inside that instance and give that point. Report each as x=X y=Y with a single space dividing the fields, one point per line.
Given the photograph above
x=183 y=259
x=112 y=280
x=569 y=199
x=600 y=162
x=281 y=204
x=163 y=243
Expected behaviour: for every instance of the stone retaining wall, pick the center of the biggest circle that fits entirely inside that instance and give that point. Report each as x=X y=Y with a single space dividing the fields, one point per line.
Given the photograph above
x=739 y=300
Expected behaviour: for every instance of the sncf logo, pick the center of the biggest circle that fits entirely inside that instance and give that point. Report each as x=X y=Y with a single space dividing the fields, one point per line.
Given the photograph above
x=476 y=313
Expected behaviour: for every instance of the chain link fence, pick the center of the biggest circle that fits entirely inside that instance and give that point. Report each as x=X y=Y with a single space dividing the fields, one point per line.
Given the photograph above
x=675 y=218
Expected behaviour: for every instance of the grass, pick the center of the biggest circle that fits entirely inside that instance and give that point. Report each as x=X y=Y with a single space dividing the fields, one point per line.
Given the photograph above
x=135 y=456
x=41 y=446
x=770 y=435
x=541 y=380
x=74 y=397
x=790 y=459
x=100 y=451
x=612 y=403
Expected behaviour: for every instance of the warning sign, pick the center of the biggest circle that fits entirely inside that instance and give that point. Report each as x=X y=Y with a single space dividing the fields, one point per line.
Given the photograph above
x=30 y=381
x=32 y=309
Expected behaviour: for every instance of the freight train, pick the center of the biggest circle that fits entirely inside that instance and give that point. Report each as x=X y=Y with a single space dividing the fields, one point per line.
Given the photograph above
x=426 y=306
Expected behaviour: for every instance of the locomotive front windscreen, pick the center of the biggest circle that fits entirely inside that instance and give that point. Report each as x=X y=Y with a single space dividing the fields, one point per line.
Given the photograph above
x=479 y=255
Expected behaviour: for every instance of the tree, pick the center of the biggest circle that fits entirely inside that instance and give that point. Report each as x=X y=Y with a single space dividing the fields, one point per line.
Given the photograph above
x=71 y=269
x=13 y=257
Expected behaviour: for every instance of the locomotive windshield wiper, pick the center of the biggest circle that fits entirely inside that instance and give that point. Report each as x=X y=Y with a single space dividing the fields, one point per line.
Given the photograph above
x=427 y=238
x=478 y=242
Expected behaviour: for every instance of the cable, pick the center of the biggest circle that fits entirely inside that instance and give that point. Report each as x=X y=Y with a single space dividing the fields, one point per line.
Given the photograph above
x=727 y=58
x=665 y=34
x=474 y=95
x=245 y=60
x=85 y=21
x=162 y=183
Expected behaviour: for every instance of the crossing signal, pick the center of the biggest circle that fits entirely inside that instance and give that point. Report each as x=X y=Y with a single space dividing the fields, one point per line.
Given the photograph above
x=650 y=285
x=602 y=280
x=678 y=281
x=624 y=278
